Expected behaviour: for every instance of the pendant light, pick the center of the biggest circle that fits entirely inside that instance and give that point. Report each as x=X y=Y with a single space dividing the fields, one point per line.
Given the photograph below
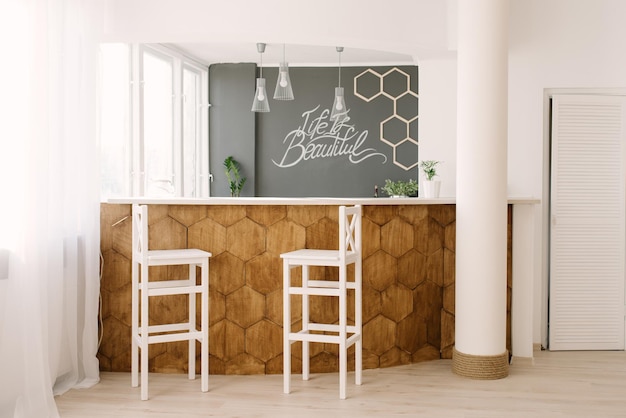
x=283 y=84
x=261 y=103
x=339 y=113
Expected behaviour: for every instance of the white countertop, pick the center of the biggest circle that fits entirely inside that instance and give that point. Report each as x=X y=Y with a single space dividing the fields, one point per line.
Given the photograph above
x=304 y=201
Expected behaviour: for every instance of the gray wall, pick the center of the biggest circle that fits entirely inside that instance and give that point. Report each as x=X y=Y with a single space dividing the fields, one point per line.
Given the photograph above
x=231 y=124
x=281 y=166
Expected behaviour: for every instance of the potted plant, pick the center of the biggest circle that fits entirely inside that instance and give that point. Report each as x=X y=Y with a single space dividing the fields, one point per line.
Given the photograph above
x=235 y=181
x=431 y=187
x=400 y=188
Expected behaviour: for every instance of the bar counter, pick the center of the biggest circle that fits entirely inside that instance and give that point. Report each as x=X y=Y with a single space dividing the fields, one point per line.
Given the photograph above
x=408 y=278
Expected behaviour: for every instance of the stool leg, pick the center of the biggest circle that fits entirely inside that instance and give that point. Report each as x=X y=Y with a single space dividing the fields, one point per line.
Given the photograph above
x=144 y=332
x=134 y=353
x=204 y=317
x=286 y=327
x=358 y=306
x=192 y=325
x=305 y=323
x=343 y=335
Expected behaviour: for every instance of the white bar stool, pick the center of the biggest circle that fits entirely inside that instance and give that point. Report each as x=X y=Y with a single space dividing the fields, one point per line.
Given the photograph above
x=143 y=288
x=342 y=334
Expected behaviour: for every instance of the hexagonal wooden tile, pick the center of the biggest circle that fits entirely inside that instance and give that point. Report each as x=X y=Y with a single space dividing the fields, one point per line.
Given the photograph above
x=173 y=360
x=447 y=330
x=264 y=273
x=156 y=213
x=122 y=236
x=323 y=309
x=116 y=271
x=372 y=304
x=275 y=365
x=323 y=235
x=427 y=300
x=324 y=362
x=166 y=234
x=264 y=340
x=111 y=214
x=208 y=235
x=426 y=353
x=170 y=309
x=380 y=270
x=397 y=302
x=226 y=340
x=412 y=333
x=118 y=304
x=305 y=215
x=450 y=236
x=121 y=362
x=118 y=340
x=274 y=308
x=379 y=335
x=245 y=306
x=434 y=267
x=443 y=214
x=284 y=236
x=266 y=215
x=187 y=214
x=380 y=214
x=449 y=298
x=413 y=213
x=449 y=267
x=217 y=306
x=394 y=357
x=226 y=273
x=245 y=364
x=370 y=237
x=412 y=269
x=226 y=215
x=436 y=236
x=396 y=237
x=252 y=245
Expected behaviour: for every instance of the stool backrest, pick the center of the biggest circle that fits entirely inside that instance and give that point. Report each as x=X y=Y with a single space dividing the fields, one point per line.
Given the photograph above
x=349 y=230
x=140 y=231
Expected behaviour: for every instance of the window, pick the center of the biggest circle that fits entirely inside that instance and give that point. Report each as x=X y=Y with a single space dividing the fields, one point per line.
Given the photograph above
x=154 y=123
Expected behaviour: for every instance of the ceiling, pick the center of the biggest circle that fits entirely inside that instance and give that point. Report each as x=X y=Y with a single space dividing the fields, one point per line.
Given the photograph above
x=296 y=55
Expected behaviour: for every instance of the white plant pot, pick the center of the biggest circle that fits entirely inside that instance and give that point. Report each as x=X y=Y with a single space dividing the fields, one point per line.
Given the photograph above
x=431 y=188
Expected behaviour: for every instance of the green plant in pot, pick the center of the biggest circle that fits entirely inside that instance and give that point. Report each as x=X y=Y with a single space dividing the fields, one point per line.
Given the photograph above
x=233 y=175
x=400 y=188
x=431 y=186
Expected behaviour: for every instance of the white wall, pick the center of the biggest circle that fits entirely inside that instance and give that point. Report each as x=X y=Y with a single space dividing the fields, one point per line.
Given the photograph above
x=437 y=119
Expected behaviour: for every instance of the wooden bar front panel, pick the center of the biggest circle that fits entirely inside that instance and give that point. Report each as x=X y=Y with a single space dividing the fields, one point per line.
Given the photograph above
x=408 y=283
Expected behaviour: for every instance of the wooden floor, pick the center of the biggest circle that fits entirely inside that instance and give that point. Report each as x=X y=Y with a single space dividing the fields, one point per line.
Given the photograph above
x=553 y=384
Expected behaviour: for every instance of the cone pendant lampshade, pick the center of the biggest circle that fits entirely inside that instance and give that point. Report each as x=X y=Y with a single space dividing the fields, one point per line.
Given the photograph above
x=260 y=103
x=339 y=112
x=283 y=89
x=283 y=84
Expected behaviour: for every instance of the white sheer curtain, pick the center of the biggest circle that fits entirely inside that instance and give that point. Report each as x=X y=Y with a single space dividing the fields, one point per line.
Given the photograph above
x=49 y=209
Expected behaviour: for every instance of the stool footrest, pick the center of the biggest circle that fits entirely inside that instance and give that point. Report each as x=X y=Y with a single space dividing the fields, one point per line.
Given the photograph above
x=172 y=287
x=172 y=336
x=330 y=284
x=305 y=335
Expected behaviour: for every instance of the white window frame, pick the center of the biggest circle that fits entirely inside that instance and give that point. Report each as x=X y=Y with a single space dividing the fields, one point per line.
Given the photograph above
x=137 y=178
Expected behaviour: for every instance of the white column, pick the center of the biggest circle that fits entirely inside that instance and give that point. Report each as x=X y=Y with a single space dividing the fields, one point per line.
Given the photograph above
x=481 y=218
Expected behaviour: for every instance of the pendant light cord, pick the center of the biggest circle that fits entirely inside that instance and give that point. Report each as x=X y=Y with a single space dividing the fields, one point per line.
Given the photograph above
x=339 y=68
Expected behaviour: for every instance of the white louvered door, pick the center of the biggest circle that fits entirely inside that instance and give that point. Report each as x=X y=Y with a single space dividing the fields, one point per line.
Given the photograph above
x=587 y=236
